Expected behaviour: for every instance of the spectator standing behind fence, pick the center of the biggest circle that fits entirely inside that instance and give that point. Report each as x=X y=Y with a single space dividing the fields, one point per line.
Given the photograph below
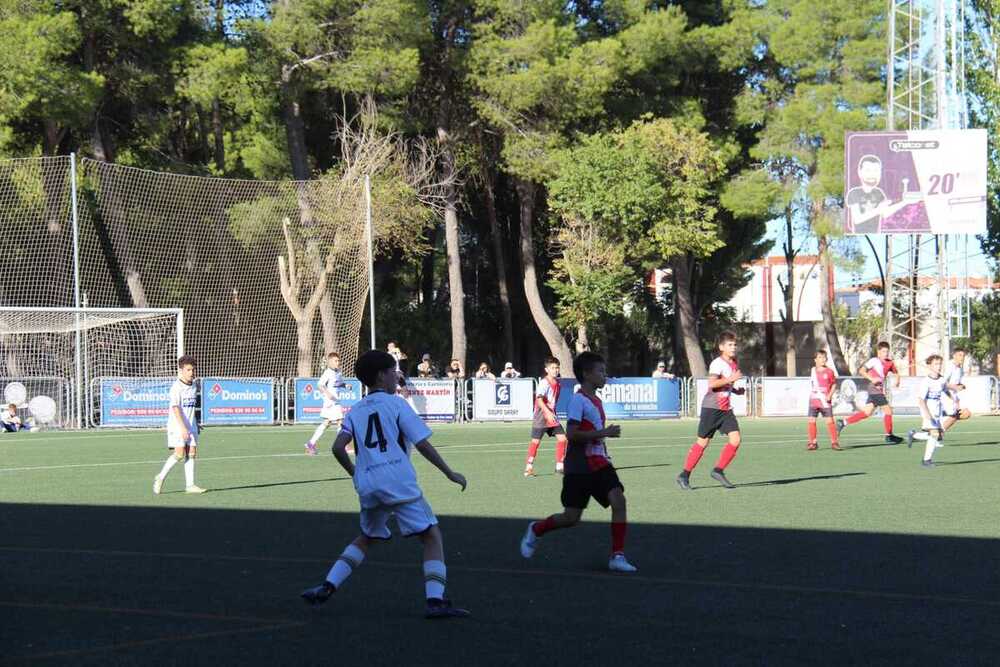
x=455 y=370
x=484 y=372
x=661 y=372
x=426 y=369
x=396 y=354
x=509 y=372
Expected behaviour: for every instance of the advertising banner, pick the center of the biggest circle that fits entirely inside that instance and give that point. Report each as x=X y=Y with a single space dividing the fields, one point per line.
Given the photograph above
x=739 y=402
x=630 y=398
x=785 y=397
x=917 y=181
x=433 y=400
x=237 y=400
x=503 y=400
x=135 y=401
x=309 y=399
x=978 y=394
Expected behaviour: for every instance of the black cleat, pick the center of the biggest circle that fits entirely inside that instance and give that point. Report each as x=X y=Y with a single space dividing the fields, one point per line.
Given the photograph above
x=319 y=594
x=893 y=439
x=928 y=464
x=437 y=608
x=684 y=480
x=720 y=477
x=841 y=424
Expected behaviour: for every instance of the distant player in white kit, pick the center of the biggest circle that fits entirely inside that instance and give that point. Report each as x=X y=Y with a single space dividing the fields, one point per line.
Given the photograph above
x=182 y=426
x=385 y=429
x=929 y=398
x=332 y=413
x=956 y=384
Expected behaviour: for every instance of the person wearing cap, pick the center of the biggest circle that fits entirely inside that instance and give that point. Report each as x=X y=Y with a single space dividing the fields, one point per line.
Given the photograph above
x=509 y=372
x=426 y=369
x=661 y=372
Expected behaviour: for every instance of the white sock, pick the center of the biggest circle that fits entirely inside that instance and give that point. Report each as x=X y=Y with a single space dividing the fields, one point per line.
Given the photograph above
x=341 y=570
x=167 y=465
x=921 y=435
x=189 y=472
x=318 y=433
x=929 y=448
x=435 y=578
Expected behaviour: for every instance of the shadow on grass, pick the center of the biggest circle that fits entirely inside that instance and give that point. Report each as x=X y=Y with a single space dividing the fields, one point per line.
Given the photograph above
x=269 y=485
x=108 y=585
x=796 y=480
x=965 y=463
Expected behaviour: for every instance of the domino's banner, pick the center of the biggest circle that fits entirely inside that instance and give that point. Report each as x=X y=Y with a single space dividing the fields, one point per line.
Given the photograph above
x=309 y=399
x=503 y=400
x=237 y=400
x=135 y=401
x=433 y=400
x=630 y=398
x=739 y=402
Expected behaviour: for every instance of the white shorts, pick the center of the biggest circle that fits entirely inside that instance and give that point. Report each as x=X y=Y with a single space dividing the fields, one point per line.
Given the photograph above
x=174 y=440
x=332 y=412
x=413 y=518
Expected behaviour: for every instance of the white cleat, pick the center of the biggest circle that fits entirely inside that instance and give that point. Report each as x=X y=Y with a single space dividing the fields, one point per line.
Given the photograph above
x=157 y=485
x=617 y=563
x=560 y=470
x=194 y=489
x=529 y=542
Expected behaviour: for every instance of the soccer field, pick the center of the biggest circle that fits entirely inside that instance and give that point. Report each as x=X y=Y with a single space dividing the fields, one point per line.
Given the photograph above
x=860 y=556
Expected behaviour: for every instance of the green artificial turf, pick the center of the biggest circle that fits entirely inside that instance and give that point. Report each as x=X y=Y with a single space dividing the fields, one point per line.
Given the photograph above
x=860 y=556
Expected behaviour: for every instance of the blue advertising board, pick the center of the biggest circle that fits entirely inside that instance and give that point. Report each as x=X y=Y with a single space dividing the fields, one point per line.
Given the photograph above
x=309 y=399
x=630 y=398
x=135 y=401
x=237 y=400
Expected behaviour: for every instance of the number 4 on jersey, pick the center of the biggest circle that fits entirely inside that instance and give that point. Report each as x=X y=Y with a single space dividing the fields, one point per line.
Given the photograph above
x=374 y=424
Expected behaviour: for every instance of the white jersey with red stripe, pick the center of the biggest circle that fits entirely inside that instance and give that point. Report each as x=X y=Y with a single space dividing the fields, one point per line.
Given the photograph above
x=877 y=371
x=548 y=390
x=821 y=382
x=587 y=412
x=718 y=398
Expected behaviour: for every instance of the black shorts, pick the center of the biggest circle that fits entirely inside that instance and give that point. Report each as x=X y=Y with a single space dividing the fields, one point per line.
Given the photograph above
x=579 y=488
x=713 y=420
x=816 y=411
x=538 y=431
x=878 y=400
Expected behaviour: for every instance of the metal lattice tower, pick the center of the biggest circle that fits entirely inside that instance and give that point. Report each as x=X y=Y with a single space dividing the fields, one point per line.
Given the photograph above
x=927 y=277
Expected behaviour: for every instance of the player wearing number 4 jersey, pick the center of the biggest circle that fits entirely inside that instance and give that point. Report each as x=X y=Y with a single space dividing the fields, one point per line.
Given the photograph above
x=384 y=429
x=822 y=383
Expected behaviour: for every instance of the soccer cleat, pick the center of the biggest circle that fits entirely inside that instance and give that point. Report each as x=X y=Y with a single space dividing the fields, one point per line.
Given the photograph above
x=720 y=477
x=319 y=594
x=560 y=470
x=437 y=608
x=529 y=542
x=310 y=449
x=618 y=563
x=841 y=424
x=909 y=439
x=835 y=446
x=157 y=485
x=812 y=447
x=684 y=480
x=891 y=439
x=529 y=471
x=194 y=489
x=928 y=463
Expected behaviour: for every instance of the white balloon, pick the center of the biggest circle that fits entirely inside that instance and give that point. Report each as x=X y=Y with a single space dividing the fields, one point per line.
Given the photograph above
x=15 y=393
x=42 y=408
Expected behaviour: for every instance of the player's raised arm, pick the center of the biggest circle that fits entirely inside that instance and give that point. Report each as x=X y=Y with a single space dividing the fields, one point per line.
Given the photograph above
x=427 y=450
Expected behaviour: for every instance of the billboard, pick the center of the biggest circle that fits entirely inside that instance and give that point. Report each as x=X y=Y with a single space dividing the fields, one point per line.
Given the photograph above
x=237 y=400
x=739 y=402
x=135 y=401
x=630 y=398
x=309 y=399
x=916 y=181
x=433 y=400
x=503 y=400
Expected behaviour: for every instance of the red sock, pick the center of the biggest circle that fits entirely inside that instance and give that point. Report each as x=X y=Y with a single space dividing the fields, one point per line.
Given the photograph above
x=560 y=450
x=856 y=417
x=811 y=428
x=887 y=421
x=533 y=451
x=618 y=531
x=694 y=455
x=727 y=455
x=832 y=428
x=543 y=526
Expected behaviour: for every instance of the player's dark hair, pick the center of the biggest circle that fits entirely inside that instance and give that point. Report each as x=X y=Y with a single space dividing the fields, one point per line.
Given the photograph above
x=584 y=363
x=959 y=349
x=725 y=337
x=186 y=360
x=883 y=345
x=820 y=353
x=869 y=158
x=551 y=360
x=332 y=355
x=370 y=364
x=934 y=357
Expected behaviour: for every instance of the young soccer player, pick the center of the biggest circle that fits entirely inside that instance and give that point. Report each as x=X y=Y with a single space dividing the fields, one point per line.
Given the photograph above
x=823 y=381
x=929 y=398
x=545 y=420
x=956 y=380
x=589 y=473
x=385 y=429
x=332 y=414
x=717 y=414
x=10 y=421
x=878 y=369
x=182 y=426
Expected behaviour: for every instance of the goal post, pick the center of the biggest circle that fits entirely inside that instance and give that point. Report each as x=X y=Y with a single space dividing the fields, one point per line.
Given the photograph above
x=79 y=344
